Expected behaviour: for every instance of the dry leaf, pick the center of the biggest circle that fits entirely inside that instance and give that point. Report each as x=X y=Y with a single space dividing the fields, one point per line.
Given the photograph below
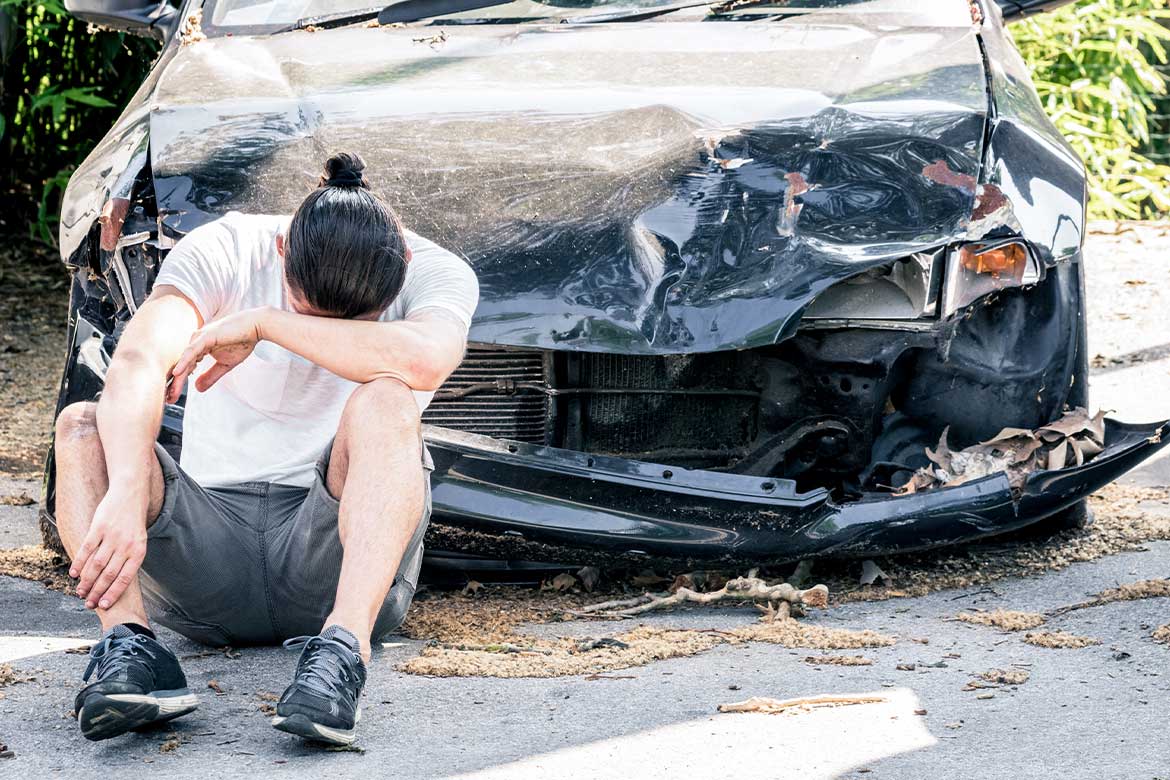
x=589 y=576
x=561 y=582
x=1071 y=440
x=647 y=578
x=802 y=574
x=871 y=573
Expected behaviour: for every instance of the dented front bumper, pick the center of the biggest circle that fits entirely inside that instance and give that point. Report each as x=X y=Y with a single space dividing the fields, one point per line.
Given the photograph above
x=512 y=500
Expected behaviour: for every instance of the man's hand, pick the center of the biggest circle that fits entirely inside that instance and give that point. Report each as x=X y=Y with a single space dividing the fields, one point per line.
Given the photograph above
x=229 y=341
x=113 y=549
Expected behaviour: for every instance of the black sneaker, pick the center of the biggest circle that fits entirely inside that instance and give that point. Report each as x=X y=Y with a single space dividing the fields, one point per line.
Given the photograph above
x=138 y=682
x=322 y=702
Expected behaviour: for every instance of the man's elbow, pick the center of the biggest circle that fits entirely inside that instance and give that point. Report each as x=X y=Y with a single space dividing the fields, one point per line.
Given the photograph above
x=433 y=373
x=427 y=378
x=423 y=372
x=135 y=358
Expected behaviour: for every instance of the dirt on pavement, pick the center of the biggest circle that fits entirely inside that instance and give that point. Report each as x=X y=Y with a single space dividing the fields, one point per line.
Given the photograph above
x=1003 y=619
x=1060 y=640
x=34 y=303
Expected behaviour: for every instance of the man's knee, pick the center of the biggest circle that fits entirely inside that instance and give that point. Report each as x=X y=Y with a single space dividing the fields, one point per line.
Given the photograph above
x=379 y=403
x=77 y=426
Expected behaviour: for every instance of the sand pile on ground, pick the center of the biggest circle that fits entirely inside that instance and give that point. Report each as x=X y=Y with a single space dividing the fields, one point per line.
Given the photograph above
x=490 y=615
x=838 y=660
x=34 y=562
x=559 y=658
x=1143 y=589
x=1003 y=619
x=793 y=633
x=1059 y=639
x=1005 y=676
x=1162 y=634
x=1130 y=591
x=527 y=657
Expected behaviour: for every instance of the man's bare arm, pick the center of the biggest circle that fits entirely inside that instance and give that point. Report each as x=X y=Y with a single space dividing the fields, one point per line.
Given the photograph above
x=420 y=351
x=128 y=417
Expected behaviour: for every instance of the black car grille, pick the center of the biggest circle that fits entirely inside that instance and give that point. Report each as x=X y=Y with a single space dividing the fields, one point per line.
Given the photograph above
x=683 y=409
x=495 y=392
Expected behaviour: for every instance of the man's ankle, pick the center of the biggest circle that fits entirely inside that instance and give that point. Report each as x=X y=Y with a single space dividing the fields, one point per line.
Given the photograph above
x=360 y=631
x=125 y=619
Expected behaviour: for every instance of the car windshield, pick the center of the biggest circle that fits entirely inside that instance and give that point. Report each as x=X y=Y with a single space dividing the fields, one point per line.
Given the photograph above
x=279 y=14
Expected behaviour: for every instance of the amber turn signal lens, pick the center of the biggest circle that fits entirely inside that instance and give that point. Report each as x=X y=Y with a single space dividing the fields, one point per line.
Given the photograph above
x=1009 y=260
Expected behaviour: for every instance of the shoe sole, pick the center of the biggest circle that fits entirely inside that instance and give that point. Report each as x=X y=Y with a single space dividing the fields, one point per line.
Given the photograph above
x=301 y=726
x=109 y=715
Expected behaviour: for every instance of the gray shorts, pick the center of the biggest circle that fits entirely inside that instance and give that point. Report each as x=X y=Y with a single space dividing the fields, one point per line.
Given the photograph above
x=256 y=563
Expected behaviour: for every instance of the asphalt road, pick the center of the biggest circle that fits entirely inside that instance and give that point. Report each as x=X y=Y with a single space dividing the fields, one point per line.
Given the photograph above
x=1096 y=712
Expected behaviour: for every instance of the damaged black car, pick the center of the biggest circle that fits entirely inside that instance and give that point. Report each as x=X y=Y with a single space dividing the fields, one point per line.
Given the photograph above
x=760 y=280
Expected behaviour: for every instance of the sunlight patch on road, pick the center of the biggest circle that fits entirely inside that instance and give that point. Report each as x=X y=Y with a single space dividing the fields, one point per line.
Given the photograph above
x=808 y=745
x=1137 y=392
x=13 y=648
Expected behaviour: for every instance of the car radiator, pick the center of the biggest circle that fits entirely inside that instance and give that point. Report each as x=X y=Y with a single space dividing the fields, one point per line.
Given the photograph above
x=495 y=392
x=687 y=409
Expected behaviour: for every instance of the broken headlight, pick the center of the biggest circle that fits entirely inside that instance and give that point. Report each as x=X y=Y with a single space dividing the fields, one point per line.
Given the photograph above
x=904 y=290
x=975 y=270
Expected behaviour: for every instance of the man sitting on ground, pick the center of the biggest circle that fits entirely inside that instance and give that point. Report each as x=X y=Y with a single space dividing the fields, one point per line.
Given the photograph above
x=303 y=493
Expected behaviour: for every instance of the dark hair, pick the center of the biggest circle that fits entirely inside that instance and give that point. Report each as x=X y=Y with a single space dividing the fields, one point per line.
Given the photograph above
x=346 y=253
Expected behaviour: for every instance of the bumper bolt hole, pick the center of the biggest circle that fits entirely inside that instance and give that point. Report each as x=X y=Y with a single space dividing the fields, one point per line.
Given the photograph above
x=769 y=486
x=513 y=448
x=667 y=474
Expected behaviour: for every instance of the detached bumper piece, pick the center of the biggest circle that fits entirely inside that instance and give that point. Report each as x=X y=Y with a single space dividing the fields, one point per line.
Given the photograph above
x=511 y=500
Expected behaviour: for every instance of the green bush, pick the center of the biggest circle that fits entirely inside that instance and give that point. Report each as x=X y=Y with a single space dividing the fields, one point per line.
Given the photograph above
x=1091 y=65
x=63 y=87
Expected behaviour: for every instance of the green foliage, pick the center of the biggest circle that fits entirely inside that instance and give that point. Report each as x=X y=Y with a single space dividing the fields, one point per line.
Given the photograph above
x=1091 y=63
x=63 y=87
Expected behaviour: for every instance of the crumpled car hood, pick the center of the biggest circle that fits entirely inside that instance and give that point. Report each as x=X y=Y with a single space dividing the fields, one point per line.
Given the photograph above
x=639 y=188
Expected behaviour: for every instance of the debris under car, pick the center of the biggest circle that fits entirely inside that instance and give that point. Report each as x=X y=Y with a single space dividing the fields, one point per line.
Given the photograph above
x=836 y=311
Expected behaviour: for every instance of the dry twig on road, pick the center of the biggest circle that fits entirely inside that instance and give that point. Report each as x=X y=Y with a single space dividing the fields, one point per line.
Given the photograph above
x=775 y=599
x=776 y=706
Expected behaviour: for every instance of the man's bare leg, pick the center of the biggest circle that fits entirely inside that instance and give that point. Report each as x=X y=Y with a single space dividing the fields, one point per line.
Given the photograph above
x=117 y=698
x=375 y=468
x=81 y=484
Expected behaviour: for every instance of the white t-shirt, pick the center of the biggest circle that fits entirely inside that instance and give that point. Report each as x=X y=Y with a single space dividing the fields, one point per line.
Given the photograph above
x=270 y=418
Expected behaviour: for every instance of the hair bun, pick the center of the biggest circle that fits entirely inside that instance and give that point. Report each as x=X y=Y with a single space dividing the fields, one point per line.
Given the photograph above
x=345 y=170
